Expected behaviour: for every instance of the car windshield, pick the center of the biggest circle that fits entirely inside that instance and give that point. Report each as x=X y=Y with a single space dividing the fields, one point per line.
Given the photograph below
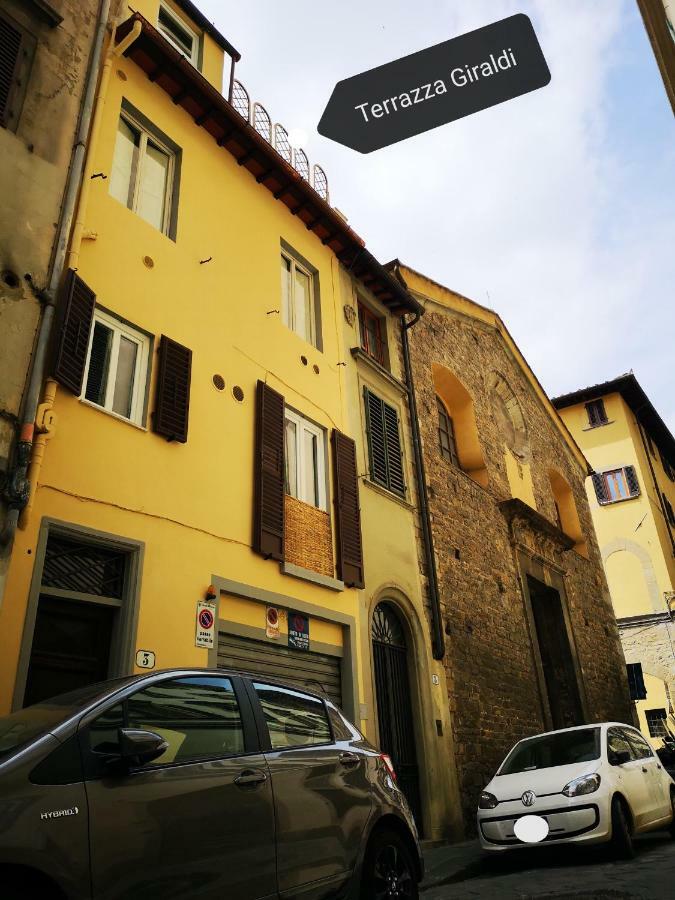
x=24 y=725
x=562 y=748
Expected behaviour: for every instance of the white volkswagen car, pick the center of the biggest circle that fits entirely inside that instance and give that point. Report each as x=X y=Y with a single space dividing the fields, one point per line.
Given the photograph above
x=589 y=784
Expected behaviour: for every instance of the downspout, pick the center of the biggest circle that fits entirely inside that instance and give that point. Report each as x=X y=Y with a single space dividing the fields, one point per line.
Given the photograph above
x=437 y=634
x=18 y=486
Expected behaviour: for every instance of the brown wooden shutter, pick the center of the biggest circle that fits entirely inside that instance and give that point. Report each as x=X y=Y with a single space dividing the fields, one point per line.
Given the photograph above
x=10 y=51
x=172 y=398
x=394 y=450
x=600 y=487
x=268 y=518
x=632 y=481
x=377 y=449
x=347 y=510
x=71 y=336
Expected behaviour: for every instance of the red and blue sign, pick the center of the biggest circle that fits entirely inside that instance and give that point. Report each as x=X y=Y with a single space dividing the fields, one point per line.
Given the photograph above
x=298 y=631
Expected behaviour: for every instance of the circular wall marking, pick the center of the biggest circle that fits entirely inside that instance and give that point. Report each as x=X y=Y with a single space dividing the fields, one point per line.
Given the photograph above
x=237 y=393
x=148 y=261
x=531 y=829
x=316 y=369
x=303 y=360
x=218 y=382
x=206 y=618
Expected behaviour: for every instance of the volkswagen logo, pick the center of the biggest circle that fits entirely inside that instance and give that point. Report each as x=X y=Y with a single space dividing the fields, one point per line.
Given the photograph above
x=528 y=798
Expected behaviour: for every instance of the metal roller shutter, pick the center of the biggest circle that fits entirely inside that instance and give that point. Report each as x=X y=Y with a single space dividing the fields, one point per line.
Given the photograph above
x=316 y=671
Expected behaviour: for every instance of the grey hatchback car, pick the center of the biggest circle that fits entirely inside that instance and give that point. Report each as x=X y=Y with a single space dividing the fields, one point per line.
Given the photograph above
x=194 y=783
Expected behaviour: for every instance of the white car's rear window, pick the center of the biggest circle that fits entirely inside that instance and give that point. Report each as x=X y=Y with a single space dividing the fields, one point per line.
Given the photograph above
x=562 y=748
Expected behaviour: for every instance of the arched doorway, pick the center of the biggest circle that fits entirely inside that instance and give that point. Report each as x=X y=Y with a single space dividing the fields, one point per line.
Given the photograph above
x=394 y=702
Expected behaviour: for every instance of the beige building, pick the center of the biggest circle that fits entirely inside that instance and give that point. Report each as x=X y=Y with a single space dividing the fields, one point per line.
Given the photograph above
x=632 y=498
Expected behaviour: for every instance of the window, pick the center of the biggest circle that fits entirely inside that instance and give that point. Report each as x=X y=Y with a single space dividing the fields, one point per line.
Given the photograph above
x=616 y=484
x=639 y=747
x=636 y=682
x=446 y=434
x=143 y=173
x=650 y=443
x=297 y=299
x=384 y=444
x=117 y=368
x=667 y=468
x=669 y=510
x=596 y=413
x=293 y=719
x=305 y=460
x=617 y=742
x=17 y=48
x=178 y=33
x=198 y=717
x=655 y=720
x=372 y=338
x=561 y=748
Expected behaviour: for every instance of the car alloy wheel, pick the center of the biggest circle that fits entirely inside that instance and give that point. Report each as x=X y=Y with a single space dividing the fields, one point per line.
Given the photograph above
x=672 y=803
x=388 y=872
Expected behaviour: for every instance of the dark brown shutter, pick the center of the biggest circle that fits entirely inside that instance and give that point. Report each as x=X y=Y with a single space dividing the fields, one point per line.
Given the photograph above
x=600 y=488
x=75 y=317
x=377 y=450
x=347 y=511
x=10 y=50
x=268 y=518
x=632 y=481
x=394 y=452
x=172 y=399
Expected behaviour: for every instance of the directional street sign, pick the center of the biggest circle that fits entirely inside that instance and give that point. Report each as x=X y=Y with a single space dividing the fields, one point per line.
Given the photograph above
x=435 y=86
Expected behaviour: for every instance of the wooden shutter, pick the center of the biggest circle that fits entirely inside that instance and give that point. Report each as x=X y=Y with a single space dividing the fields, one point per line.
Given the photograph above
x=632 y=481
x=76 y=314
x=172 y=398
x=377 y=450
x=394 y=453
x=600 y=488
x=268 y=518
x=10 y=52
x=347 y=510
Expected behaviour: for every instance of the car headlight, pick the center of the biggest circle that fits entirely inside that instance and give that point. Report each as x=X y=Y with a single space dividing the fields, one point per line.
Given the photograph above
x=586 y=784
x=487 y=800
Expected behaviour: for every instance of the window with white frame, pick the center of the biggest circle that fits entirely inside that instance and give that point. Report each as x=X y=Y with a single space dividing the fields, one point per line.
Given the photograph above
x=117 y=368
x=178 y=33
x=304 y=444
x=142 y=173
x=297 y=298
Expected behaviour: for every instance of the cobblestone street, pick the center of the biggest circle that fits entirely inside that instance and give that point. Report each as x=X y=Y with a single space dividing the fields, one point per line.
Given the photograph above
x=458 y=872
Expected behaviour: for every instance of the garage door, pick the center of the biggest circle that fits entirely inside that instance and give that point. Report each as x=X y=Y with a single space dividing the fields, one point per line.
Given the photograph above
x=316 y=671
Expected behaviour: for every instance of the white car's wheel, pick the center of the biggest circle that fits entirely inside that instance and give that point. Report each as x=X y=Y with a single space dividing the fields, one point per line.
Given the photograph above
x=672 y=803
x=622 y=839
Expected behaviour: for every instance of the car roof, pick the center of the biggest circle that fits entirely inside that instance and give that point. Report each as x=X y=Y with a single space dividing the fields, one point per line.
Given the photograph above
x=603 y=725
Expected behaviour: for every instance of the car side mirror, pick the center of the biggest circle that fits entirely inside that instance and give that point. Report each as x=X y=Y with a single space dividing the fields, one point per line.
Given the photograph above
x=138 y=747
x=619 y=757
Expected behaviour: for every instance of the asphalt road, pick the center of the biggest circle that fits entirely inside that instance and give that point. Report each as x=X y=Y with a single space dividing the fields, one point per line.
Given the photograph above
x=560 y=873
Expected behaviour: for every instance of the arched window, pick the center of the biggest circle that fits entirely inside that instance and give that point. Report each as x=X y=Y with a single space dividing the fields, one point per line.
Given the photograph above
x=457 y=404
x=446 y=434
x=566 y=511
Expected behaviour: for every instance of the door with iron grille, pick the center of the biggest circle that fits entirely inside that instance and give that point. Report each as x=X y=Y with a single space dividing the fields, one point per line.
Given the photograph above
x=81 y=600
x=394 y=704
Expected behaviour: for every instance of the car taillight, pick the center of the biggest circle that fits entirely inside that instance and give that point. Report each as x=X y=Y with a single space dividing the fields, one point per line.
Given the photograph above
x=389 y=764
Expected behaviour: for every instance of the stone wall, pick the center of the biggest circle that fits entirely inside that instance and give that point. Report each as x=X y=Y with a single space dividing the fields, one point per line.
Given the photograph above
x=651 y=643
x=494 y=688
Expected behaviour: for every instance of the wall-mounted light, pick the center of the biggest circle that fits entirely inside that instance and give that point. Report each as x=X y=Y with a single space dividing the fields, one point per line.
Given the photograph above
x=210 y=593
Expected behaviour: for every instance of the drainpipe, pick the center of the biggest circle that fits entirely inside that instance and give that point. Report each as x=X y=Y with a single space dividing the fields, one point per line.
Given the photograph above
x=437 y=634
x=18 y=486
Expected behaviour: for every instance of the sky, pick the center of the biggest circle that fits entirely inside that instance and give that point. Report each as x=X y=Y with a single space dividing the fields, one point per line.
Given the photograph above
x=556 y=209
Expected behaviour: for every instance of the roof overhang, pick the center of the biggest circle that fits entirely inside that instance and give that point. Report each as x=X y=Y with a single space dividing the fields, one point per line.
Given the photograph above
x=643 y=409
x=171 y=72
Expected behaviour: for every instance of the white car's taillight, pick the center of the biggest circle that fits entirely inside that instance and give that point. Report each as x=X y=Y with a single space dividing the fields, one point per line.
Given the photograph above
x=585 y=784
x=389 y=765
x=487 y=800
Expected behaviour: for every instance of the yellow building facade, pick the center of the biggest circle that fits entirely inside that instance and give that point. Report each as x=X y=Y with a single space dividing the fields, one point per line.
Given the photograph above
x=632 y=498
x=208 y=433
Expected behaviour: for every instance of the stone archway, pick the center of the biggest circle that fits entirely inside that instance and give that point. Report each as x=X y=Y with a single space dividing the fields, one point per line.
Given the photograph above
x=651 y=585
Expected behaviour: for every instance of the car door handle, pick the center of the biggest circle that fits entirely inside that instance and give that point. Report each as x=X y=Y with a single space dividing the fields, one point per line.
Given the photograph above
x=250 y=777
x=349 y=760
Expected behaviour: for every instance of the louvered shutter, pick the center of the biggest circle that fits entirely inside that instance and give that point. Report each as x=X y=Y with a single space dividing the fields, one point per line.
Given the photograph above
x=172 y=398
x=377 y=451
x=10 y=52
x=268 y=518
x=636 y=682
x=394 y=453
x=75 y=317
x=632 y=481
x=600 y=488
x=347 y=511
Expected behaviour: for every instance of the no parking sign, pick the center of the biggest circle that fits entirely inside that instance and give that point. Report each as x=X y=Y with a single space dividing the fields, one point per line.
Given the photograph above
x=206 y=623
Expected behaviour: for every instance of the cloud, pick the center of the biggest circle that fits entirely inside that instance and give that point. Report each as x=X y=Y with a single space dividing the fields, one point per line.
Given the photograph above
x=544 y=207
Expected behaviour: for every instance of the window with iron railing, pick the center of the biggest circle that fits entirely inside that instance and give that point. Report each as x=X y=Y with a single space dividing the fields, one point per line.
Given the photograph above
x=372 y=331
